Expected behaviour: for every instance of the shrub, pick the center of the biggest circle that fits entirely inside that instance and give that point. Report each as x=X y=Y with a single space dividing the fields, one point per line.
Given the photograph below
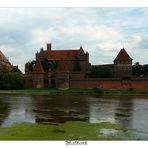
x=98 y=90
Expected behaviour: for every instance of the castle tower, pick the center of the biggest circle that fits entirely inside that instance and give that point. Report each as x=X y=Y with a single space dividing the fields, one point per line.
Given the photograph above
x=123 y=64
x=38 y=75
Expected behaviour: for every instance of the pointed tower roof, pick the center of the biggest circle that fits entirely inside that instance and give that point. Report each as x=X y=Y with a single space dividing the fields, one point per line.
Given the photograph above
x=38 y=68
x=63 y=67
x=123 y=56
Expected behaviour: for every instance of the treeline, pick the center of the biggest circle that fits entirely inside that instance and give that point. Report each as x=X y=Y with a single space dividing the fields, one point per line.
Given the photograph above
x=101 y=72
x=140 y=70
x=11 y=78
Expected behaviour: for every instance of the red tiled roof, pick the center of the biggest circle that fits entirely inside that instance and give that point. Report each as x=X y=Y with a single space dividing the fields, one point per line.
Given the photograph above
x=3 y=58
x=62 y=67
x=38 y=67
x=123 y=56
x=62 y=54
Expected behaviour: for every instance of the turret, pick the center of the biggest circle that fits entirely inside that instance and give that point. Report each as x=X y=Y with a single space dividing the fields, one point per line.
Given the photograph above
x=49 y=46
x=123 y=64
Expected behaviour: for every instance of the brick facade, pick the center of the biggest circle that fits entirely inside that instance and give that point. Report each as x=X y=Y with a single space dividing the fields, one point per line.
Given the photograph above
x=112 y=83
x=70 y=63
x=72 y=69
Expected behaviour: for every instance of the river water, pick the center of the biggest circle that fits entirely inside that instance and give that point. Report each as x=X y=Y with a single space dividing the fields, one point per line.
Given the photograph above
x=128 y=111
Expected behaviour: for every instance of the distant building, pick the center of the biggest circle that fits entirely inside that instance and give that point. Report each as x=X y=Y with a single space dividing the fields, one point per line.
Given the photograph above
x=58 y=68
x=4 y=60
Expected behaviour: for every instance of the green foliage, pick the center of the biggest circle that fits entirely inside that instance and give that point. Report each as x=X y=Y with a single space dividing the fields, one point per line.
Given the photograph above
x=73 y=91
x=46 y=64
x=98 y=90
x=145 y=70
x=14 y=69
x=53 y=65
x=16 y=80
x=101 y=72
x=77 y=66
x=140 y=70
x=30 y=65
x=11 y=79
x=137 y=69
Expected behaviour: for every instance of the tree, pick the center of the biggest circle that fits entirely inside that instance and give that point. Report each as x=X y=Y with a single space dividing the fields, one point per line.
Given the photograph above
x=101 y=72
x=53 y=65
x=145 y=70
x=30 y=65
x=11 y=79
x=15 y=69
x=49 y=64
x=4 y=77
x=16 y=80
x=46 y=64
x=137 y=69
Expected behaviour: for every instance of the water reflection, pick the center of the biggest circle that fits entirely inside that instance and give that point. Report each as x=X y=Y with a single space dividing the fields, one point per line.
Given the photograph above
x=124 y=111
x=16 y=112
x=129 y=112
x=102 y=109
x=4 y=111
x=57 y=109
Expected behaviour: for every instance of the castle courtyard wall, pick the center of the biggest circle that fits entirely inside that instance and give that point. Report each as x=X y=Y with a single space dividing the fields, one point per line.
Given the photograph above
x=112 y=83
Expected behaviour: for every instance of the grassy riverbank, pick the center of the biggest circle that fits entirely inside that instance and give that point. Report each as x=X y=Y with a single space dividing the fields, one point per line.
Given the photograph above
x=49 y=91
x=66 y=131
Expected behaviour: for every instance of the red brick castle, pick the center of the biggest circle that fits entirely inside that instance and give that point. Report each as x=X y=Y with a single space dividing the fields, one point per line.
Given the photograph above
x=70 y=64
x=65 y=68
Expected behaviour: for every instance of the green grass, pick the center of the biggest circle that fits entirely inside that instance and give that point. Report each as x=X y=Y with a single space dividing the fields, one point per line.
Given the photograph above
x=125 y=92
x=47 y=91
x=66 y=131
x=73 y=91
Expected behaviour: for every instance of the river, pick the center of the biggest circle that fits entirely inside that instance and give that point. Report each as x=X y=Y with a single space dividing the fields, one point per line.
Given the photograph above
x=128 y=111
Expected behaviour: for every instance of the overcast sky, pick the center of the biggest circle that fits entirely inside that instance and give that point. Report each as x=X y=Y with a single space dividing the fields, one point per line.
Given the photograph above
x=101 y=31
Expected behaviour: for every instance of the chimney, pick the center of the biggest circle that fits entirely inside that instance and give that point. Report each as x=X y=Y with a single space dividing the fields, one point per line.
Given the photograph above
x=49 y=46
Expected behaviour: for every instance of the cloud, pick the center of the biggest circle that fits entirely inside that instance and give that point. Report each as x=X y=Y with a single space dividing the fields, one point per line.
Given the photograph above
x=101 y=31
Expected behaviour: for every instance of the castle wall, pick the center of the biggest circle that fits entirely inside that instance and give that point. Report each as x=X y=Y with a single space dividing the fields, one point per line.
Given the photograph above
x=114 y=83
x=85 y=83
